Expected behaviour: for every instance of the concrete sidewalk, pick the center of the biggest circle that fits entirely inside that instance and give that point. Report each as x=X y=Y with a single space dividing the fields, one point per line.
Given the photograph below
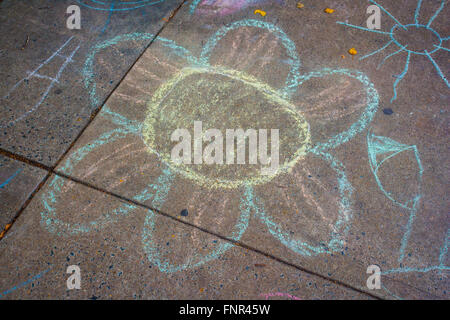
x=87 y=178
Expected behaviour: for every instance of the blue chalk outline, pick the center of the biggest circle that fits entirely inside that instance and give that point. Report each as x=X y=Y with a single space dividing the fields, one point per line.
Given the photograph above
x=372 y=102
x=441 y=267
x=404 y=48
x=158 y=191
x=295 y=79
x=111 y=5
x=49 y=218
x=291 y=49
x=416 y=26
x=378 y=145
x=88 y=69
x=4 y=293
x=7 y=181
x=194 y=5
x=153 y=253
x=342 y=225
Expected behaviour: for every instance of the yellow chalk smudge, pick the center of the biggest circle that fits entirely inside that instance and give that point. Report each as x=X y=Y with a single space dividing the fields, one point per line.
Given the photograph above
x=352 y=51
x=262 y=13
x=150 y=135
x=300 y=5
x=328 y=10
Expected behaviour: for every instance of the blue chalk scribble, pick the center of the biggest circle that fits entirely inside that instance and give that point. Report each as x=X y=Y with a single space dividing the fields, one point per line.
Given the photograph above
x=7 y=181
x=4 y=293
x=112 y=6
x=381 y=149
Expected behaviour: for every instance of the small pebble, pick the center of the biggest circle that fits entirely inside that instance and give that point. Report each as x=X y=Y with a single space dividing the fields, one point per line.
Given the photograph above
x=388 y=111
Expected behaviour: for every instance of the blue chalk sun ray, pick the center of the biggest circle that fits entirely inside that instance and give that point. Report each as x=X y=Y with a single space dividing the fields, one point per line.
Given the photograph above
x=404 y=48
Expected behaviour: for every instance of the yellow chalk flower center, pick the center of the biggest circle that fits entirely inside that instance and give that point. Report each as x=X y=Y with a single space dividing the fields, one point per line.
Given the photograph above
x=223 y=99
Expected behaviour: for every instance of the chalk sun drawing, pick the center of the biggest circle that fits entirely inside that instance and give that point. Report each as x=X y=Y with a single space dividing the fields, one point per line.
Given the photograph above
x=416 y=29
x=67 y=58
x=200 y=71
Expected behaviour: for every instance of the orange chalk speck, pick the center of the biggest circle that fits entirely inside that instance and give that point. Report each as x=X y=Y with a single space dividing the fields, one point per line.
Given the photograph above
x=352 y=51
x=328 y=10
x=262 y=13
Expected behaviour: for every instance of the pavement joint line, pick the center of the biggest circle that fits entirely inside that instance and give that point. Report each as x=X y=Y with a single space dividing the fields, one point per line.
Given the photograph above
x=51 y=169
x=91 y=118
x=413 y=287
x=121 y=198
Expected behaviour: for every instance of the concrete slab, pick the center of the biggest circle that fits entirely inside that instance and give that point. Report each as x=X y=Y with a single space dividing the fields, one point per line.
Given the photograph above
x=133 y=253
x=44 y=102
x=364 y=185
x=362 y=141
x=17 y=181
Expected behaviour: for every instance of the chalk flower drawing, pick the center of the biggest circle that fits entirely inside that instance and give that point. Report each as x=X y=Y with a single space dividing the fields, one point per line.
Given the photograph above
x=416 y=28
x=203 y=90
